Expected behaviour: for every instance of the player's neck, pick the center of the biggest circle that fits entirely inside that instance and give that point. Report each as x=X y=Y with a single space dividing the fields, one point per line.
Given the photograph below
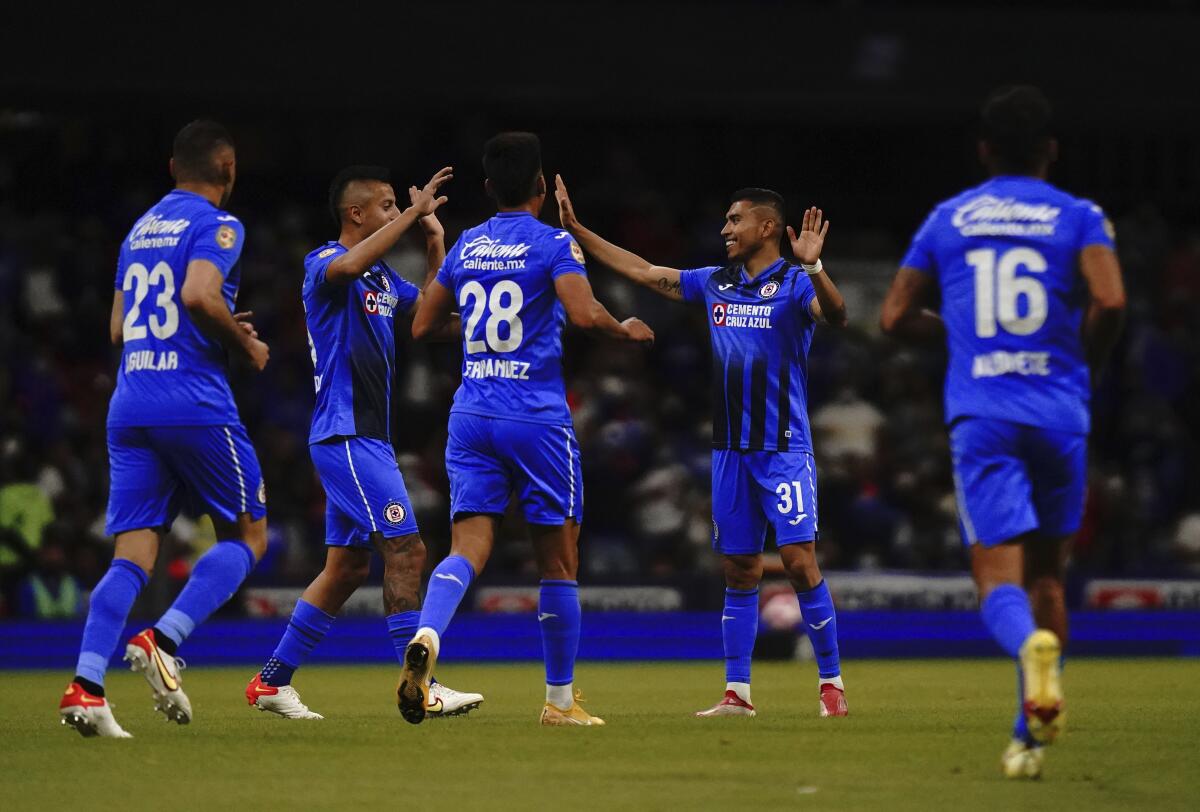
x=526 y=208
x=349 y=238
x=760 y=262
x=210 y=192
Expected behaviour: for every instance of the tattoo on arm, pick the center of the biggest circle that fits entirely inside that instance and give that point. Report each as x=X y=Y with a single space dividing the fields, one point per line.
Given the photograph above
x=670 y=288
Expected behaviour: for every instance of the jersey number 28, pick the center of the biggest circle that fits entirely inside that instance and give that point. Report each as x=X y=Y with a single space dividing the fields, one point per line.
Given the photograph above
x=504 y=307
x=998 y=290
x=140 y=281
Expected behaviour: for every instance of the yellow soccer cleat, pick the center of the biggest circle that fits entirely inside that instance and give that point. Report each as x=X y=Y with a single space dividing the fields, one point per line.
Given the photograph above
x=1041 y=673
x=553 y=716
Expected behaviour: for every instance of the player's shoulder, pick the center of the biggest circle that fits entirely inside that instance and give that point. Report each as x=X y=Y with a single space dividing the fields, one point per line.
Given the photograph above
x=329 y=249
x=714 y=273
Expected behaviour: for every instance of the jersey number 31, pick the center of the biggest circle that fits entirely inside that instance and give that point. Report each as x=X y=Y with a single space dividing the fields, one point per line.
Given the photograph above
x=998 y=290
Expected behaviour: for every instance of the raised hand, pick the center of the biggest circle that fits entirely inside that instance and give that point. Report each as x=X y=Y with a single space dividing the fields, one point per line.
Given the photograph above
x=808 y=243
x=425 y=199
x=566 y=211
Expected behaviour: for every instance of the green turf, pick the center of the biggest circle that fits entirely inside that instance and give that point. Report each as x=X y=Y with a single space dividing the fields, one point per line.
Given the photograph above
x=921 y=735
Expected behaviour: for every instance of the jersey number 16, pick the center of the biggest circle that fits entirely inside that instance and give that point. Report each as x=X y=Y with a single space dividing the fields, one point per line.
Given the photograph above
x=998 y=290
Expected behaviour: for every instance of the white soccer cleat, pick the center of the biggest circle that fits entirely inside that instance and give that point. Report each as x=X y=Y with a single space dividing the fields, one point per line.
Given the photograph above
x=89 y=714
x=161 y=670
x=281 y=700
x=445 y=701
x=1041 y=668
x=1022 y=761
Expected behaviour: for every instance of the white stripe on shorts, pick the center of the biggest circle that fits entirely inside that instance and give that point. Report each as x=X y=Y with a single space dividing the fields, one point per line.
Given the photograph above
x=361 y=493
x=812 y=489
x=237 y=466
x=570 y=472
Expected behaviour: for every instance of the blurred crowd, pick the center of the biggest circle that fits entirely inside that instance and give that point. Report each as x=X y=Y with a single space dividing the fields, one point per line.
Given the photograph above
x=885 y=490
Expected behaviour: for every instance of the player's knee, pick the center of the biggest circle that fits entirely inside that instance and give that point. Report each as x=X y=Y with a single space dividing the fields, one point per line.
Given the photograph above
x=742 y=571
x=402 y=553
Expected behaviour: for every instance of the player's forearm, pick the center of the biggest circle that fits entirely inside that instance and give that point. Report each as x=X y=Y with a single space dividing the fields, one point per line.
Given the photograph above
x=435 y=253
x=595 y=318
x=213 y=318
x=359 y=258
x=1101 y=329
x=626 y=263
x=833 y=306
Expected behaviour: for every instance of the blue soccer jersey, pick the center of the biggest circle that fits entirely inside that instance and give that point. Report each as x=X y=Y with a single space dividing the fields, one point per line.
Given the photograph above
x=1006 y=256
x=761 y=331
x=502 y=276
x=351 y=332
x=171 y=373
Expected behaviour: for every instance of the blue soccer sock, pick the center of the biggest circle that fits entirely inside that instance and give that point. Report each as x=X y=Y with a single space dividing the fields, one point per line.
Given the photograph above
x=447 y=585
x=110 y=603
x=739 y=627
x=307 y=627
x=1007 y=615
x=559 y=619
x=216 y=576
x=401 y=628
x=820 y=621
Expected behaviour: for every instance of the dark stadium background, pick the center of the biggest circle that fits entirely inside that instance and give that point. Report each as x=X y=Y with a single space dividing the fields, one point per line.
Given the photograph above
x=653 y=113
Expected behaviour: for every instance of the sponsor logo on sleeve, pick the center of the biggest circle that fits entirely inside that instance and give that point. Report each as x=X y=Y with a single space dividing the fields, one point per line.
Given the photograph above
x=326 y=253
x=394 y=513
x=226 y=237
x=262 y=492
x=1110 y=230
x=576 y=252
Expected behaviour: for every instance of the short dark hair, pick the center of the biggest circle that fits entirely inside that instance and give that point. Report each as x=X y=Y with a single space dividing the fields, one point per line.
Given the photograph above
x=1016 y=125
x=337 y=188
x=762 y=197
x=512 y=162
x=195 y=148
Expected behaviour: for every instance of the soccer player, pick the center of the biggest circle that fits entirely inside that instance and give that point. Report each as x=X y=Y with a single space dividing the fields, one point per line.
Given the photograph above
x=515 y=280
x=351 y=298
x=762 y=313
x=174 y=436
x=1032 y=303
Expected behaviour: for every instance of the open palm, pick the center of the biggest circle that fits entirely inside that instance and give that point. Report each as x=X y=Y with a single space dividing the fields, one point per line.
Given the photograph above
x=807 y=245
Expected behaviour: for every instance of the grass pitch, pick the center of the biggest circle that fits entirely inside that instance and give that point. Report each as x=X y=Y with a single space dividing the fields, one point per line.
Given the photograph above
x=921 y=735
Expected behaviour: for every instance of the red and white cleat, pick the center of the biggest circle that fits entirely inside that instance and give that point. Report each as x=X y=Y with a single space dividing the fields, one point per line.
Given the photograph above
x=281 y=700
x=161 y=671
x=89 y=714
x=833 y=701
x=730 y=705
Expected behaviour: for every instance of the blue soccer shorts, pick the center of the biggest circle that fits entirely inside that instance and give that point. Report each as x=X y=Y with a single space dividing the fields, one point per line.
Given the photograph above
x=755 y=490
x=364 y=491
x=489 y=458
x=156 y=471
x=1012 y=479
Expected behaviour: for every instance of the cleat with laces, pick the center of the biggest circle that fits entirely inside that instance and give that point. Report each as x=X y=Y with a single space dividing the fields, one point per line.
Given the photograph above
x=554 y=716
x=730 y=705
x=161 y=671
x=833 y=701
x=413 y=693
x=1022 y=760
x=282 y=700
x=89 y=714
x=445 y=702
x=1040 y=658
